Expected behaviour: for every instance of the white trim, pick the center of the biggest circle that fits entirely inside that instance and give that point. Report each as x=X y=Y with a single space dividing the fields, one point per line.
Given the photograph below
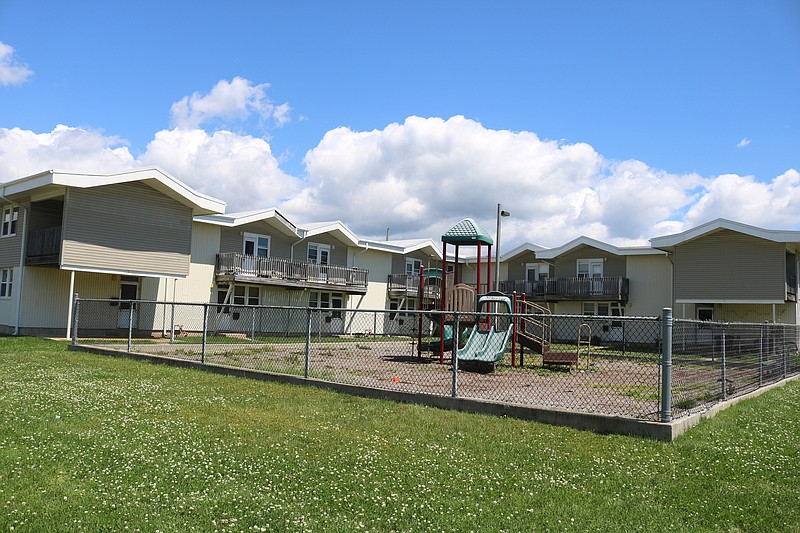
x=71 y=293
x=722 y=223
x=121 y=272
x=724 y=301
x=160 y=180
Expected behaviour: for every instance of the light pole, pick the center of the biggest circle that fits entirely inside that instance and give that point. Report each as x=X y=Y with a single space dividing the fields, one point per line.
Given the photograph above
x=500 y=214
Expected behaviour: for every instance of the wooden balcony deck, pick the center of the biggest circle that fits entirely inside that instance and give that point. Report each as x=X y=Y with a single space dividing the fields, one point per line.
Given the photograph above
x=290 y=274
x=606 y=289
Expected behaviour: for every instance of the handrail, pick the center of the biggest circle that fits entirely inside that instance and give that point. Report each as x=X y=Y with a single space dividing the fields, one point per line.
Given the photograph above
x=278 y=268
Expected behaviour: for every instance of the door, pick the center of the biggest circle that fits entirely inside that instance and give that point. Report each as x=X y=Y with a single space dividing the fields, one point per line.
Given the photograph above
x=254 y=246
x=128 y=290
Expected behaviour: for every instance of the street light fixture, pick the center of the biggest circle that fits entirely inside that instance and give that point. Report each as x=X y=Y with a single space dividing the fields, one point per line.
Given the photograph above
x=500 y=214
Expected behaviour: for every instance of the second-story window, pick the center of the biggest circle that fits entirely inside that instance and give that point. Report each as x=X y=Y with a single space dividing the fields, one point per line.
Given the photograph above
x=256 y=245
x=590 y=268
x=319 y=254
x=413 y=266
x=10 y=217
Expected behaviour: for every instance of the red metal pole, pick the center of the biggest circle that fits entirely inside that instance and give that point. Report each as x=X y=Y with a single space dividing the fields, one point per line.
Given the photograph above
x=441 y=298
x=478 y=281
x=489 y=270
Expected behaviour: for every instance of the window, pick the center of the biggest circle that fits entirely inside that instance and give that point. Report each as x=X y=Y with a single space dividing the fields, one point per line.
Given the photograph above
x=244 y=295
x=257 y=245
x=590 y=268
x=10 y=216
x=6 y=278
x=327 y=300
x=596 y=309
x=413 y=266
x=319 y=254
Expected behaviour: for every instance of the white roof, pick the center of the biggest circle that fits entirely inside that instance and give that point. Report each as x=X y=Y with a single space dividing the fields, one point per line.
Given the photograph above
x=319 y=228
x=53 y=182
x=552 y=253
x=668 y=241
x=402 y=246
x=247 y=217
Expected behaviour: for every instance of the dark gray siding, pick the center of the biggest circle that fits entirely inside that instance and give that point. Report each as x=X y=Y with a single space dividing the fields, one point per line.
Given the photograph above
x=567 y=265
x=728 y=265
x=126 y=227
x=516 y=265
x=232 y=240
x=11 y=247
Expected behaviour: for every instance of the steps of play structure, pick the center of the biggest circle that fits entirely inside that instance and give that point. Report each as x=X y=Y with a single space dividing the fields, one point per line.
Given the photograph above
x=560 y=358
x=534 y=345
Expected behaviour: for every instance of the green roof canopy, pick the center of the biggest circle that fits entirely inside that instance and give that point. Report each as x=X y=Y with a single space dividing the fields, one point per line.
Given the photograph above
x=466 y=231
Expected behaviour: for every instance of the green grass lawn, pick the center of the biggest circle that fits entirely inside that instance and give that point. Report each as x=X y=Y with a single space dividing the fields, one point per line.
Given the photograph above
x=94 y=443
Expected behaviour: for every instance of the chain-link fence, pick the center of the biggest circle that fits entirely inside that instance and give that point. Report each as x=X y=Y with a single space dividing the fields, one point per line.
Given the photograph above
x=589 y=364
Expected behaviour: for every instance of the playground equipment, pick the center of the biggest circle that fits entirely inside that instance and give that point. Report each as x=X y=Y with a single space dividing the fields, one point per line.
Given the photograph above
x=490 y=334
x=533 y=330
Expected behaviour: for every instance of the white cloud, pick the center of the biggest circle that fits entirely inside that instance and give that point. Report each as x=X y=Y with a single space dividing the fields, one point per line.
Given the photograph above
x=422 y=176
x=65 y=148
x=744 y=142
x=742 y=198
x=239 y=169
x=12 y=71
x=236 y=100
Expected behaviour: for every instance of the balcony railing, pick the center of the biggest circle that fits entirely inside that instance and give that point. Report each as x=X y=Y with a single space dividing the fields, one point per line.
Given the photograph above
x=408 y=285
x=44 y=246
x=791 y=287
x=287 y=272
x=613 y=289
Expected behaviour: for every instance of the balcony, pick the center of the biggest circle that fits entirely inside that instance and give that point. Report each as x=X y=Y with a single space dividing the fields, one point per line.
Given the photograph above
x=407 y=285
x=791 y=287
x=607 y=289
x=44 y=247
x=290 y=274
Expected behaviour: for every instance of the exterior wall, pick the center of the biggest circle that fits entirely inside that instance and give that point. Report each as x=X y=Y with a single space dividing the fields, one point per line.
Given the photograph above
x=126 y=227
x=46 y=298
x=650 y=285
x=728 y=265
x=232 y=239
x=11 y=247
x=517 y=265
x=338 y=254
x=567 y=265
x=380 y=265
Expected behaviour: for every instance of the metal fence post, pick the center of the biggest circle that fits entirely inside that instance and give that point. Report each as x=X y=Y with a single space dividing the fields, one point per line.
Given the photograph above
x=172 y=323
x=761 y=357
x=130 y=324
x=724 y=375
x=75 y=307
x=666 y=365
x=454 y=356
x=205 y=335
x=308 y=344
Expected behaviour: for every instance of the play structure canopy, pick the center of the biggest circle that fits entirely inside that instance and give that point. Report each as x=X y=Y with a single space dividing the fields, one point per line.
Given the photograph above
x=466 y=232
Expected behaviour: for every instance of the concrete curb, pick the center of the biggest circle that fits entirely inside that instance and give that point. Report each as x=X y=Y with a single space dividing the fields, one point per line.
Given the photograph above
x=598 y=423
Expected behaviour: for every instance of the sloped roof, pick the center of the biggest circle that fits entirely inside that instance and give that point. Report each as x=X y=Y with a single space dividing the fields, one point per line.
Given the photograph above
x=53 y=182
x=246 y=217
x=552 y=253
x=467 y=231
x=668 y=242
x=336 y=226
x=403 y=246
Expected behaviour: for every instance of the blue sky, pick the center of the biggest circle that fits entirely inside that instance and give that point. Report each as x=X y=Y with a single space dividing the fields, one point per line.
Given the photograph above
x=616 y=120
